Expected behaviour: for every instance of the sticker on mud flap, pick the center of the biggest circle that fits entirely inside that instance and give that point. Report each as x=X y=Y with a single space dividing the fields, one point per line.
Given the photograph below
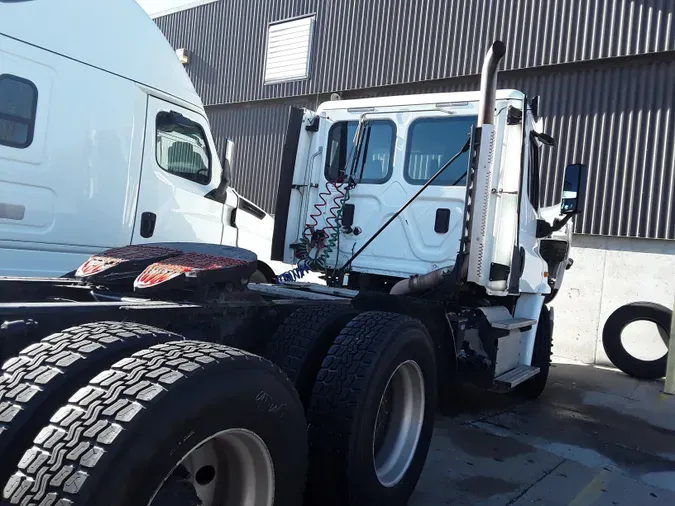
x=161 y=272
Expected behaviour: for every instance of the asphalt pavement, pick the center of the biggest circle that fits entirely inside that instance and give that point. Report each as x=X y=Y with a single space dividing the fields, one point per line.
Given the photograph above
x=595 y=437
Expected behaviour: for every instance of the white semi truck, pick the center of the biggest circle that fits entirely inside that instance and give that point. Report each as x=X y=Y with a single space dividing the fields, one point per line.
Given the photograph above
x=159 y=374
x=105 y=143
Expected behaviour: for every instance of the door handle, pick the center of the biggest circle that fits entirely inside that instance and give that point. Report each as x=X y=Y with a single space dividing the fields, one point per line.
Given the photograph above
x=148 y=221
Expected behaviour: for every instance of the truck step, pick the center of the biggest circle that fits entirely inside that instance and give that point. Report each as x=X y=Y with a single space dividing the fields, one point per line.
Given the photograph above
x=513 y=323
x=515 y=376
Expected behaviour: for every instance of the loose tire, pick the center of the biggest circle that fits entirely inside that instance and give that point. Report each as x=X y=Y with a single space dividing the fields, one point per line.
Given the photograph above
x=123 y=438
x=541 y=358
x=302 y=341
x=44 y=375
x=371 y=413
x=614 y=348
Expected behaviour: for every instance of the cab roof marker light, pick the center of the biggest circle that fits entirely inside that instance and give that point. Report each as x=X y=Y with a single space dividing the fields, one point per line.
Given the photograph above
x=361 y=109
x=453 y=104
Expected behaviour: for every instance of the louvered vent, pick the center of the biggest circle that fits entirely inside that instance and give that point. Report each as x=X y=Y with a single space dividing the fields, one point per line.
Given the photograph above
x=288 y=50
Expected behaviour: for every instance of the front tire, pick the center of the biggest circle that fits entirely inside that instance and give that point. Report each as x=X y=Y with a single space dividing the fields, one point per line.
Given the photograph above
x=371 y=413
x=179 y=423
x=541 y=358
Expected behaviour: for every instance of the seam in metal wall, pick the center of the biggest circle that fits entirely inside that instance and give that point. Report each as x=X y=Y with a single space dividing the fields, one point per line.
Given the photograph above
x=618 y=119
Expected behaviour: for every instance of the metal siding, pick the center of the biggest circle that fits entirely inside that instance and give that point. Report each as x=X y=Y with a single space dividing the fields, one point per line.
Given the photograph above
x=618 y=120
x=383 y=42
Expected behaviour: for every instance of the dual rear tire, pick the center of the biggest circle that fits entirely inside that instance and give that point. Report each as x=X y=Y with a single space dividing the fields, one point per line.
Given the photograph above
x=368 y=384
x=371 y=413
x=177 y=423
x=156 y=420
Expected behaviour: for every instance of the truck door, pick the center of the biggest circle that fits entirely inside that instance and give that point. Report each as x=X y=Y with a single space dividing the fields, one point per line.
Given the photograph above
x=179 y=197
x=398 y=154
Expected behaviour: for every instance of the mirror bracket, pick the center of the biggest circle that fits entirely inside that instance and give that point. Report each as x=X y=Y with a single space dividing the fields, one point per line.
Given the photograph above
x=544 y=228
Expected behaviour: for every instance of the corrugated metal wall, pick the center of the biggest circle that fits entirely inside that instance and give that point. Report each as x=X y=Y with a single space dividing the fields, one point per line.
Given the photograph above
x=605 y=70
x=616 y=117
x=363 y=44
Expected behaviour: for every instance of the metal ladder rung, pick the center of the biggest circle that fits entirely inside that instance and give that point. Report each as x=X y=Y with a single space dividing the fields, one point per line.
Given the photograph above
x=516 y=376
x=513 y=323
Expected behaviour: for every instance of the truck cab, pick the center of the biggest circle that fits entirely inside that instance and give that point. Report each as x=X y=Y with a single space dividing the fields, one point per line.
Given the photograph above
x=358 y=161
x=433 y=201
x=104 y=142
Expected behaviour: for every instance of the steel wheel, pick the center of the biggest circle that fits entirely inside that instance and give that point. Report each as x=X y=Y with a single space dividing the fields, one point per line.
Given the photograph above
x=231 y=468
x=399 y=422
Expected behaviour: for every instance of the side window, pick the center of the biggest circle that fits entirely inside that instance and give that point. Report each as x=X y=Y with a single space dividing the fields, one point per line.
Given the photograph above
x=377 y=154
x=18 y=107
x=431 y=143
x=182 y=149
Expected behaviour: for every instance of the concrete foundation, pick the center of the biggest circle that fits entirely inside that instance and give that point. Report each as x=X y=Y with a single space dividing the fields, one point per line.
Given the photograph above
x=607 y=273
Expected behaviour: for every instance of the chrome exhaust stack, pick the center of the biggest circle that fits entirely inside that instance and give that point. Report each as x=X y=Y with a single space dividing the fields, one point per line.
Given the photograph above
x=488 y=83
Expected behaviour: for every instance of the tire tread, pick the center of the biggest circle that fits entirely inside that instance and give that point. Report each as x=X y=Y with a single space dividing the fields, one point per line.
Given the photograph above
x=337 y=398
x=44 y=374
x=302 y=340
x=81 y=434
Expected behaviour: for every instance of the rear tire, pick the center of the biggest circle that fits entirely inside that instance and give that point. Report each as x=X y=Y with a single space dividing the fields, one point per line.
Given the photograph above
x=44 y=375
x=614 y=348
x=258 y=277
x=302 y=341
x=354 y=421
x=123 y=439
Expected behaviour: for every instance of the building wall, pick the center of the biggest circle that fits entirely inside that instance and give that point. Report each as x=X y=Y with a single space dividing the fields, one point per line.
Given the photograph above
x=365 y=44
x=258 y=132
x=607 y=273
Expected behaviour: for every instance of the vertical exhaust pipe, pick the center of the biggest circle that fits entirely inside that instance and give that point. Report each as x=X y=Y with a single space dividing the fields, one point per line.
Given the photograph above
x=488 y=83
x=486 y=116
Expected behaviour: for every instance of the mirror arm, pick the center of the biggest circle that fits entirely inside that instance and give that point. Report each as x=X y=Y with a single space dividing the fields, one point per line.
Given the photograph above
x=544 y=228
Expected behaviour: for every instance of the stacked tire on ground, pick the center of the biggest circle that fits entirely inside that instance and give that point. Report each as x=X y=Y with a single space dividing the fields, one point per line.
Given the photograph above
x=338 y=410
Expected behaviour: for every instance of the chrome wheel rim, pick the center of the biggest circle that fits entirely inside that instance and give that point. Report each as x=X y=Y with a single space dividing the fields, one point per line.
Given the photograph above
x=231 y=468
x=398 y=425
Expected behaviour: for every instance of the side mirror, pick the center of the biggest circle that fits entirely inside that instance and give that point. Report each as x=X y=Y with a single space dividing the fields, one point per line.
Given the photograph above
x=534 y=106
x=226 y=175
x=574 y=189
x=220 y=194
x=226 y=162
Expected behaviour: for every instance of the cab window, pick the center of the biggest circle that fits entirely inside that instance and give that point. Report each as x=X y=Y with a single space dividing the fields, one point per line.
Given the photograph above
x=182 y=149
x=431 y=143
x=374 y=165
x=18 y=107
